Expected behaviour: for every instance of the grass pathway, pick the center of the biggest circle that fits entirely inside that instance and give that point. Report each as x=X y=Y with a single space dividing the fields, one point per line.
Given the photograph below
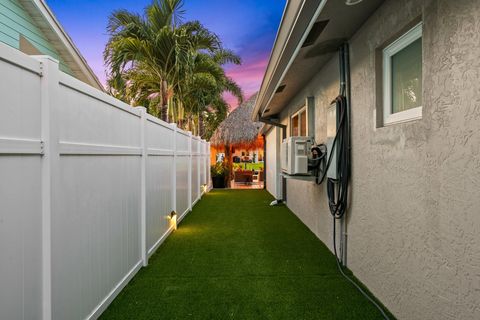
x=235 y=257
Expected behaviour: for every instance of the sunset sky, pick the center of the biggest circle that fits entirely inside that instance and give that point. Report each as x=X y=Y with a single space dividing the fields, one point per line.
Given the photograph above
x=248 y=27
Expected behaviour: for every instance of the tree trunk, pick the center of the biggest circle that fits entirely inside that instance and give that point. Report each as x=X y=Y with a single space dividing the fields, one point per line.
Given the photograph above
x=164 y=99
x=228 y=158
x=164 y=113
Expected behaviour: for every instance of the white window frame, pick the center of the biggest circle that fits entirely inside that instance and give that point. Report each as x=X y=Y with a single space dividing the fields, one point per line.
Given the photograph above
x=401 y=43
x=297 y=113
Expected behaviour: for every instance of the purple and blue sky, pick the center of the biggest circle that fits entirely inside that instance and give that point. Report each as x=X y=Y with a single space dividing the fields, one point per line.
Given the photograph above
x=248 y=27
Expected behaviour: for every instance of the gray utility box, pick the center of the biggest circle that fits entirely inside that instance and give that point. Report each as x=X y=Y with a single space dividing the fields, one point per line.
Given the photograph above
x=332 y=121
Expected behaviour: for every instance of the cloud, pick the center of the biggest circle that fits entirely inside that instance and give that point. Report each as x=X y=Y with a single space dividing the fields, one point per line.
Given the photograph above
x=249 y=76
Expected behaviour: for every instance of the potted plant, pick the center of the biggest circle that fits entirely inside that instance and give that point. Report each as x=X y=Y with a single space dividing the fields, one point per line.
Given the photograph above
x=219 y=171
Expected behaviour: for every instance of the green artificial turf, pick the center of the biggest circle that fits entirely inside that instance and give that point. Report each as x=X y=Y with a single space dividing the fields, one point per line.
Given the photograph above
x=248 y=166
x=236 y=257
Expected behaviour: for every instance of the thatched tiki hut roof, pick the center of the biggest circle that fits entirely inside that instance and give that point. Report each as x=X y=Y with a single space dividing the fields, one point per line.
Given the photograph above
x=238 y=130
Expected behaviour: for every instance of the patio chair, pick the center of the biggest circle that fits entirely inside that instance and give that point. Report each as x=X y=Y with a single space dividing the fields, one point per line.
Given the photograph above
x=243 y=176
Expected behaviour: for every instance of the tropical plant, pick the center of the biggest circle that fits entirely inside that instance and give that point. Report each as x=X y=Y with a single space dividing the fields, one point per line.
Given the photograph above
x=175 y=69
x=219 y=169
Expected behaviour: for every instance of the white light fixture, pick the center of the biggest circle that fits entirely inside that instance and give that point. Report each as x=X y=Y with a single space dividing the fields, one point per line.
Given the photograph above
x=352 y=2
x=173 y=220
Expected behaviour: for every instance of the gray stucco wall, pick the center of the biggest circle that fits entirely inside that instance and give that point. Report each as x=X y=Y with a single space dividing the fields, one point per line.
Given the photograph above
x=414 y=223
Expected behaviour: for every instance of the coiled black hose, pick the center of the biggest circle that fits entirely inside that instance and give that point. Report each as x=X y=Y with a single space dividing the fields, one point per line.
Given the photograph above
x=337 y=189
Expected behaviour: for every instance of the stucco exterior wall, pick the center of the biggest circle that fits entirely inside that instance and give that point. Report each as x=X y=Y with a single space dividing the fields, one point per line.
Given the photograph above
x=308 y=200
x=414 y=221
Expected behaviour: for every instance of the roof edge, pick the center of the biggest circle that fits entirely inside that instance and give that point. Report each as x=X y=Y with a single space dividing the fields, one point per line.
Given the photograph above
x=286 y=36
x=69 y=44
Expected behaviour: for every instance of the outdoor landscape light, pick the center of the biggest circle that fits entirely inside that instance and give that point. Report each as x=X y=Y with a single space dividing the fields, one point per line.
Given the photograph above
x=173 y=219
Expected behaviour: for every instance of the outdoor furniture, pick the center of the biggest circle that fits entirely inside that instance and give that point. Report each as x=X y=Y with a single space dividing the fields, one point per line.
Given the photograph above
x=246 y=159
x=243 y=176
x=261 y=176
x=258 y=176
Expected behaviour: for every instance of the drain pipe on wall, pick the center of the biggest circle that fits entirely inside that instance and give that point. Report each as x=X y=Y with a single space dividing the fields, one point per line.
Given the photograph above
x=338 y=182
x=338 y=189
x=345 y=91
x=284 y=136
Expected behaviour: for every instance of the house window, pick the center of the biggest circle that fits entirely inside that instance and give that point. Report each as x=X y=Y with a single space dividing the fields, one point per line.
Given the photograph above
x=402 y=78
x=299 y=123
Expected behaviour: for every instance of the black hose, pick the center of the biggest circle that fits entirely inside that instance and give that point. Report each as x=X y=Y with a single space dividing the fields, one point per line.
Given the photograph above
x=337 y=189
x=334 y=143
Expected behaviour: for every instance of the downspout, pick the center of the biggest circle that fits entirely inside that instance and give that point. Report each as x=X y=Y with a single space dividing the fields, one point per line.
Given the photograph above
x=346 y=54
x=345 y=91
x=284 y=136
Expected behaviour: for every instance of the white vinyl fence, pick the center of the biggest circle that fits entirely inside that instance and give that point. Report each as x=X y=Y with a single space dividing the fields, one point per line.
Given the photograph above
x=87 y=184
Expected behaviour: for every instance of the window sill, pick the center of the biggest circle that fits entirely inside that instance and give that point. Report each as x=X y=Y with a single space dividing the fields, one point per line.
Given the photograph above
x=404 y=116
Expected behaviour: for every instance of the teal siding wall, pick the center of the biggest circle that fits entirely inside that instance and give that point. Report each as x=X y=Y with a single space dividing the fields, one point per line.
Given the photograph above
x=15 y=21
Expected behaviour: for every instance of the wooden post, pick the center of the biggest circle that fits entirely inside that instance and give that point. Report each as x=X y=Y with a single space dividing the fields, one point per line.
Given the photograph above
x=228 y=156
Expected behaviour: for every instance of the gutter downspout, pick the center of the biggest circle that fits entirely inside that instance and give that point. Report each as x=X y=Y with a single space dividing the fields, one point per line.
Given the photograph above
x=345 y=87
x=284 y=136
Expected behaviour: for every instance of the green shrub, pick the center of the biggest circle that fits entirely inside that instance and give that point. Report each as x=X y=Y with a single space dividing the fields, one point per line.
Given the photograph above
x=219 y=169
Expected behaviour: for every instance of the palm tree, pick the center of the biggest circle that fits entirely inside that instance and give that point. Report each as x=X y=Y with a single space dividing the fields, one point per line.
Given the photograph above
x=202 y=91
x=172 y=68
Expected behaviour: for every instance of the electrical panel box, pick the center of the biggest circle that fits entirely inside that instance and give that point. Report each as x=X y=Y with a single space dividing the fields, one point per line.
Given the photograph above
x=332 y=121
x=294 y=155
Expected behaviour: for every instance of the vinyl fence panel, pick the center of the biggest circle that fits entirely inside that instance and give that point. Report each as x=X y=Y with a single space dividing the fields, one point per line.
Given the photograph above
x=195 y=150
x=87 y=185
x=160 y=149
x=96 y=213
x=20 y=187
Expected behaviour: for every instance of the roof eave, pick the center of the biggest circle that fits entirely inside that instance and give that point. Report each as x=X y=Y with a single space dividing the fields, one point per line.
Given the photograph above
x=291 y=32
x=78 y=60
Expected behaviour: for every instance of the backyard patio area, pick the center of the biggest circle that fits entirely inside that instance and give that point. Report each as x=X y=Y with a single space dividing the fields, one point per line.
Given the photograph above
x=236 y=257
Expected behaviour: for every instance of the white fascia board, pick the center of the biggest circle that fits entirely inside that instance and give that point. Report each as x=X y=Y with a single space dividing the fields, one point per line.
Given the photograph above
x=68 y=43
x=273 y=67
